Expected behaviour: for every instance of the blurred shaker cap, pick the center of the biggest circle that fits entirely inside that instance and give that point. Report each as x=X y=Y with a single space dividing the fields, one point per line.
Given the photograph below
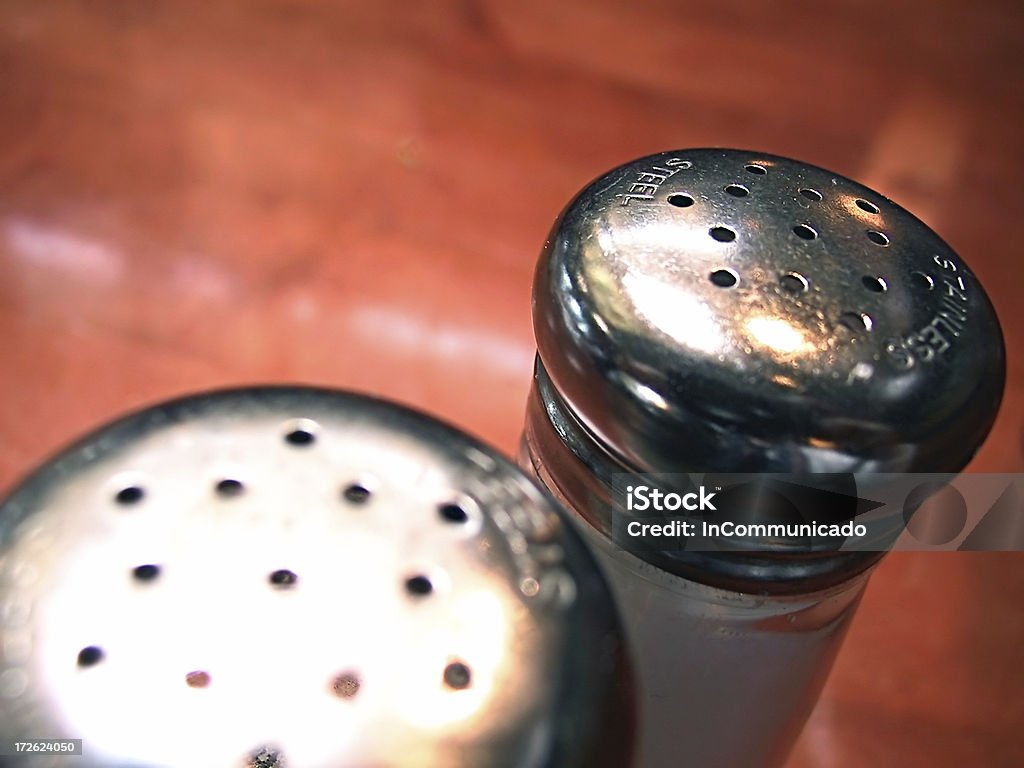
x=299 y=577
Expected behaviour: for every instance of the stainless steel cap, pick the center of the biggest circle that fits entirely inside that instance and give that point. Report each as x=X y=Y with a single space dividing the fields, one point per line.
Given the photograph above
x=299 y=577
x=724 y=310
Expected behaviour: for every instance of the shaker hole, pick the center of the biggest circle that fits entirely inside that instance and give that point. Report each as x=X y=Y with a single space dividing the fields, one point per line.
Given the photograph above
x=794 y=282
x=197 y=679
x=90 y=656
x=457 y=675
x=857 y=322
x=722 y=234
x=283 y=578
x=356 y=494
x=922 y=280
x=418 y=585
x=229 y=488
x=724 y=278
x=757 y=170
x=680 y=200
x=737 y=190
x=878 y=238
x=452 y=513
x=299 y=437
x=874 y=284
x=146 y=572
x=810 y=194
x=301 y=432
x=133 y=494
x=805 y=232
x=346 y=685
x=266 y=757
x=864 y=205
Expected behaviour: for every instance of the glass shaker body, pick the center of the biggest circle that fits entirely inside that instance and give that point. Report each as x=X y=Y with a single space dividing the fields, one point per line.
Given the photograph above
x=723 y=678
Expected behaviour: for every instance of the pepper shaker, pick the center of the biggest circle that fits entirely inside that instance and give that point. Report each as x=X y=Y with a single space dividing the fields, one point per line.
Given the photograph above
x=290 y=576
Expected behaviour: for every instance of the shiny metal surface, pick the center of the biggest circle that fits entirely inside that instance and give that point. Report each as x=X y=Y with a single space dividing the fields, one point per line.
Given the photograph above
x=727 y=310
x=300 y=577
x=572 y=465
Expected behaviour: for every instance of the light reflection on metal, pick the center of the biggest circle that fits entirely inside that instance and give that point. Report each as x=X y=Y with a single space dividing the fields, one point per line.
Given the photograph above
x=778 y=335
x=672 y=310
x=312 y=574
x=706 y=296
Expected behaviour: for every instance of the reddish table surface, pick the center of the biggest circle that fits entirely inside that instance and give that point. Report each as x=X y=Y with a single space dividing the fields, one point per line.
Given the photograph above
x=196 y=194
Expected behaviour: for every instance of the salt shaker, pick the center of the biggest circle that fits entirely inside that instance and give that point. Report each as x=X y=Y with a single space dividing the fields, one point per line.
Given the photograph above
x=716 y=310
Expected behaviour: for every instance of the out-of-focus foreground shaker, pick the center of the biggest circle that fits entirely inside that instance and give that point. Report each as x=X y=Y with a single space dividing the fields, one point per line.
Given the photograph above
x=300 y=578
x=727 y=311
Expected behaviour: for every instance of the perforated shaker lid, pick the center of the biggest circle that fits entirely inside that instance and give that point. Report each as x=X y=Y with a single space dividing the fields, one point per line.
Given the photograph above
x=725 y=310
x=297 y=577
